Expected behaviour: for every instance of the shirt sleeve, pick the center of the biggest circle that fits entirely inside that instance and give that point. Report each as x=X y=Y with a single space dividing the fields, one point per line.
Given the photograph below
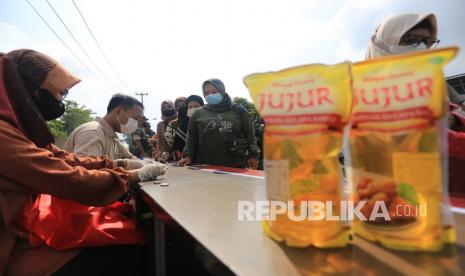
x=254 y=150
x=53 y=172
x=169 y=137
x=88 y=162
x=160 y=137
x=161 y=143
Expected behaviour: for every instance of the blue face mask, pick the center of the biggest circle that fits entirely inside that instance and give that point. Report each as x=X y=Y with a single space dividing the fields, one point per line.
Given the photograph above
x=214 y=98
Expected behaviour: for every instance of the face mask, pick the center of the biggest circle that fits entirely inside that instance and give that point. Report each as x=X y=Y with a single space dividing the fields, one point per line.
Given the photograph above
x=192 y=110
x=401 y=49
x=214 y=98
x=48 y=105
x=168 y=112
x=130 y=126
x=182 y=112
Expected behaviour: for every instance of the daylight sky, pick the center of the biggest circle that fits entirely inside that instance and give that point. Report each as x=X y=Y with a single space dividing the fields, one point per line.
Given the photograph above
x=168 y=48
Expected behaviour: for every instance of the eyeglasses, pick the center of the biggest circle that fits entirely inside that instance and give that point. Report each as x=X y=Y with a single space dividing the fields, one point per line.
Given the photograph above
x=417 y=40
x=64 y=94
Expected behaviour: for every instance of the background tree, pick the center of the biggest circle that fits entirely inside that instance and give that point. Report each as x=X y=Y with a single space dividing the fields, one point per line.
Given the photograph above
x=75 y=115
x=57 y=128
x=257 y=122
x=253 y=113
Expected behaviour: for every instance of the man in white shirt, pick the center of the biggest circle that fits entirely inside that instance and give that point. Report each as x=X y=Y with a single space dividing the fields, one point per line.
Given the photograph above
x=99 y=137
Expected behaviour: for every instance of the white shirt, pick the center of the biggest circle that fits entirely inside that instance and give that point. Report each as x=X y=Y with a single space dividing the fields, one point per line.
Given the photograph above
x=96 y=138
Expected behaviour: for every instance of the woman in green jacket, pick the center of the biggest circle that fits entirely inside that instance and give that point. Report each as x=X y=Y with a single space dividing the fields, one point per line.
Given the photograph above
x=220 y=133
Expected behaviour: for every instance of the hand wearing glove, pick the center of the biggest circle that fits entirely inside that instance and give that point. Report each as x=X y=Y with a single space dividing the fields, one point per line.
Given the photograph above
x=151 y=171
x=147 y=161
x=132 y=164
x=128 y=164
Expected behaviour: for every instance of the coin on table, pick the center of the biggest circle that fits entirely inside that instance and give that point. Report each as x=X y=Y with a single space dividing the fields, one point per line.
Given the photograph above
x=164 y=184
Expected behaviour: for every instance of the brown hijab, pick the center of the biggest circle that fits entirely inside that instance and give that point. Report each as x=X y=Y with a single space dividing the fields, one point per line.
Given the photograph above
x=167 y=119
x=22 y=72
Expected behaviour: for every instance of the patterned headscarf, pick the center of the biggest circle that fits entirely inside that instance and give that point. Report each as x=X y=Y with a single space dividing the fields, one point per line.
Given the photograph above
x=168 y=118
x=42 y=71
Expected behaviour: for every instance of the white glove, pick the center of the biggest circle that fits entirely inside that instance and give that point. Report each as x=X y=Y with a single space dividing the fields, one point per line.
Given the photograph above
x=133 y=164
x=151 y=171
x=147 y=161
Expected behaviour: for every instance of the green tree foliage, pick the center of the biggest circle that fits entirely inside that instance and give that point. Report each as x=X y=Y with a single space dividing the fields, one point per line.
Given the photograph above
x=249 y=106
x=75 y=115
x=257 y=122
x=57 y=128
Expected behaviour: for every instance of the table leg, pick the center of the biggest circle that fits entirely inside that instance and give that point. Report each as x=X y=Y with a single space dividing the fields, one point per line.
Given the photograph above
x=159 y=246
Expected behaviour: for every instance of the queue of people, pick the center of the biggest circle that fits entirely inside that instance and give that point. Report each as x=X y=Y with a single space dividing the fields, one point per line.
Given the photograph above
x=95 y=168
x=176 y=131
x=216 y=133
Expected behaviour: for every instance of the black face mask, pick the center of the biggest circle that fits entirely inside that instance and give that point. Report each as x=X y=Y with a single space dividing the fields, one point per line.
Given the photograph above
x=49 y=106
x=168 y=112
x=182 y=112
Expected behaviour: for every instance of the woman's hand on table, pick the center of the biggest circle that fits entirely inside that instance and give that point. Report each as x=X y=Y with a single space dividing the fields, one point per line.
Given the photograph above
x=185 y=161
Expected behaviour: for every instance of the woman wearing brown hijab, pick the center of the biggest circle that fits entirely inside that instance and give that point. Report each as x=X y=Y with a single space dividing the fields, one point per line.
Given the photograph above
x=168 y=113
x=32 y=89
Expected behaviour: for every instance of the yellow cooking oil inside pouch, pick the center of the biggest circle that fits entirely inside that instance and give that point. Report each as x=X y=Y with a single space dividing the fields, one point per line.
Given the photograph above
x=398 y=150
x=305 y=110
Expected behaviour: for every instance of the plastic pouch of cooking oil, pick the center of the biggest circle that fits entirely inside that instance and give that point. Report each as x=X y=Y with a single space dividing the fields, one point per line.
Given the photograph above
x=398 y=151
x=305 y=110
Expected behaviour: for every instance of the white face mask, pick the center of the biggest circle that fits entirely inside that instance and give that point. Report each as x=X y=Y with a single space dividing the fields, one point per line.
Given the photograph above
x=130 y=126
x=191 y=111
x=401 y=49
